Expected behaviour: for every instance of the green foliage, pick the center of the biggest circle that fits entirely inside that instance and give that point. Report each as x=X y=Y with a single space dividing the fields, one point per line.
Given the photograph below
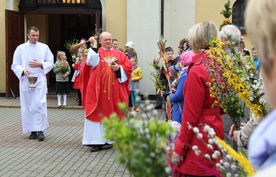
x=63 y=70
x=227 y=12
x=155 y=66
x=140 y=141
x=234 y=81
x=157 y=81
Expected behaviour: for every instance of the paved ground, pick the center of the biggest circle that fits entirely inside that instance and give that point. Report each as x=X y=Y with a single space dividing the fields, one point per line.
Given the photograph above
x=61 y=154
x=11 y=102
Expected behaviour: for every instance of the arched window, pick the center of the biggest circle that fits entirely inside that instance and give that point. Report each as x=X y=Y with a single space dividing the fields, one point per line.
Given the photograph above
x=238 y=14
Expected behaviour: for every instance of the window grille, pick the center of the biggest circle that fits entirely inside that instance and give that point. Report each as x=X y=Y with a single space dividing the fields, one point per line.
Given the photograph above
x=238 y=14
x=35 y=5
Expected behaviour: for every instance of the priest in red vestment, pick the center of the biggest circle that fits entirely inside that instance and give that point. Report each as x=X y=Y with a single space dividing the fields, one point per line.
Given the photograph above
x=108 y=84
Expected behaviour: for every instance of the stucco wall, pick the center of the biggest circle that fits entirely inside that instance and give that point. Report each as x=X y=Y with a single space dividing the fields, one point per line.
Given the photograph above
x=210 y=10
x=143 y=29
x=179 y=18
x=115 y=18
x=136 y=20
x=2 y=48
x=41 y=22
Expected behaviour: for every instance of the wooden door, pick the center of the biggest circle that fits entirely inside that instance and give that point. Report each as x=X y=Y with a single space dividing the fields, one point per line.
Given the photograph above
x=14 y=37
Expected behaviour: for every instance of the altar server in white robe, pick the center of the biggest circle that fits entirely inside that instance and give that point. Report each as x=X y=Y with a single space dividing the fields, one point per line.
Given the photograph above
x=33 y=59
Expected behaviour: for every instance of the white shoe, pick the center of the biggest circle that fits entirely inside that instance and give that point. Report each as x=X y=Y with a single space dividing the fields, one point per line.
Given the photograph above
x=64 y=105
x=59 y=105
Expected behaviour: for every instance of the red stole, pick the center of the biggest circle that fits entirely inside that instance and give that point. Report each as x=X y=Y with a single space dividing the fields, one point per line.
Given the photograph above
x=84 y=77
x=103 y=90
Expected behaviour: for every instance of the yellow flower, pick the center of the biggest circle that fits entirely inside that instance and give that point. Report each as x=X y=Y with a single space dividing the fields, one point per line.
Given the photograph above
x=242 y=160
x=63 y=64
x=236 y=79
x=226 y=20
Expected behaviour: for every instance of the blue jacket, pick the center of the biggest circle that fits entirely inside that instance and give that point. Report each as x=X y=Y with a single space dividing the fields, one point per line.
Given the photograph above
x=177 y=99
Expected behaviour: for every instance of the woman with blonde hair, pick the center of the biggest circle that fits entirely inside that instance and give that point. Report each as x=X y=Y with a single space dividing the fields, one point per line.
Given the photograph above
x=260 y=25
x=198 y=109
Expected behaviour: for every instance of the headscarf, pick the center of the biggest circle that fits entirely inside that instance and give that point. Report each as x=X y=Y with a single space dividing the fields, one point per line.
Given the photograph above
x=186 y=59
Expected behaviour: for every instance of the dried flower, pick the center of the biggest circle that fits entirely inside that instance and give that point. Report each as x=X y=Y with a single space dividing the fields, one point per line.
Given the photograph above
x=69 y=43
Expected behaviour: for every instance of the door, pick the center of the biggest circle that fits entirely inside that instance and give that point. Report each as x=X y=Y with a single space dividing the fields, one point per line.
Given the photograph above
x=14 y=37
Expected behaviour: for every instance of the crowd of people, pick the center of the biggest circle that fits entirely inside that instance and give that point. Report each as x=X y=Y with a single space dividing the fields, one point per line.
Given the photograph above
x=108 y=75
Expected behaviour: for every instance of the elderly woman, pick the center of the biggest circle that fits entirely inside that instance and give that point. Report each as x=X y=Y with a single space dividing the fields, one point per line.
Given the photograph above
x=197 y=108
x=261 y=27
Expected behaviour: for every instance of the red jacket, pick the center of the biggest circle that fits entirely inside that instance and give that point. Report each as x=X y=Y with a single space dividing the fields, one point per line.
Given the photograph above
x=77 y=82
x=197 y=110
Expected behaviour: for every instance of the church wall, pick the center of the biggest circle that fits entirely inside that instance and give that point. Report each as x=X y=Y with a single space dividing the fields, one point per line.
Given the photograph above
x=2 y=48
x=15 y=4
x=116 y=19
x=179 y=18
x=210 y=10
x=143 y=29
x=136 y=20
x=41 y=22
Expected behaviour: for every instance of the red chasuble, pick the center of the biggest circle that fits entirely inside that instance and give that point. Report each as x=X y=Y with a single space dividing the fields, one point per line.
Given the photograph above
x=84 y=77
x=104 y=91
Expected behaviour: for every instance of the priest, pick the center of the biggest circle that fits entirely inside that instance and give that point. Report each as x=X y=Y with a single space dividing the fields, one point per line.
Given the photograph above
x=108 y=84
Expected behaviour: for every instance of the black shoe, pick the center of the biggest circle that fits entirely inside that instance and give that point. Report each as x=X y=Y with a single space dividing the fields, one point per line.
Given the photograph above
x=107 y=146
x=96 y=148
x=33 y=135
x=40 y=136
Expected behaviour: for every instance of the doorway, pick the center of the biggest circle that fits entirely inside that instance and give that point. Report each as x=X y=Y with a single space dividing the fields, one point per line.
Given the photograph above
x=66 y=27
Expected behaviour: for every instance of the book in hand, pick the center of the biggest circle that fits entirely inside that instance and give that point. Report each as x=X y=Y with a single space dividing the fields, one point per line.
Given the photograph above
x=115 y=61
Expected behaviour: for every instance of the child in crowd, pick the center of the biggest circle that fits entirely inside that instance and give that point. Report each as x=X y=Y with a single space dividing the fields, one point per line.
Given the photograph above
x=77 y=80
x=174 y=72
x=256 y=60
x=62 y=71
x=130 y=51
x=177 y=98
x=136 y=76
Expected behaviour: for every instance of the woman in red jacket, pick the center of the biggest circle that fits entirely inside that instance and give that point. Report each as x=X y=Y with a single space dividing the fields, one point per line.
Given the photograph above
x=198 y=109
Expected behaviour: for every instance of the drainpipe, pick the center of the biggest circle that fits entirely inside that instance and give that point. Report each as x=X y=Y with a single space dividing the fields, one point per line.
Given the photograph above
x=162 y=18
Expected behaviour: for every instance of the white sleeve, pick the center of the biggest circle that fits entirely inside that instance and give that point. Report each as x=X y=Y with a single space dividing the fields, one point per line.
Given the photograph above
x=17 y=66
x=123 y=75
x=92 y=58
x=48 y=63
x=246 y=131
